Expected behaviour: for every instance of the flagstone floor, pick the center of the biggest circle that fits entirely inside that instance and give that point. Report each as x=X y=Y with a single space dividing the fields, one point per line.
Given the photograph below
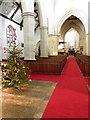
x=30 y=102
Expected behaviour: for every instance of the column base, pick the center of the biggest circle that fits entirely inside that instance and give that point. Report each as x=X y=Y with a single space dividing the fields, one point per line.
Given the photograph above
x=29 y=59
x=44 y=56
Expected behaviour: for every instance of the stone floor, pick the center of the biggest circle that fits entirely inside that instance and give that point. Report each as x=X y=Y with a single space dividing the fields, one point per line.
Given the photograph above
x=30 y=102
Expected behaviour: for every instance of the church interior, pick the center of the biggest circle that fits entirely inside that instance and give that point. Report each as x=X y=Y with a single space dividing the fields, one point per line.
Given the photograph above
x=44 y=43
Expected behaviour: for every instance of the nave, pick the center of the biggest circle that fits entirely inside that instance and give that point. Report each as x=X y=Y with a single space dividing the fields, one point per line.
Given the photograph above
x=70 y=97
x=28 y=31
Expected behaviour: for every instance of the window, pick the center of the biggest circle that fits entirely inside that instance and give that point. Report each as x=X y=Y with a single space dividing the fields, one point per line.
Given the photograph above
x=11 y=35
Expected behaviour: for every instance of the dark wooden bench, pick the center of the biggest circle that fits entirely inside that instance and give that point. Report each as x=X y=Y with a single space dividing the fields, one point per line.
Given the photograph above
x=84 y=64
x=50 y=65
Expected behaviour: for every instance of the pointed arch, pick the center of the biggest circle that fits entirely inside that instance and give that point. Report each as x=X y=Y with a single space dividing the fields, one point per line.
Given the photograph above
x=75 y=12
x=72 y=25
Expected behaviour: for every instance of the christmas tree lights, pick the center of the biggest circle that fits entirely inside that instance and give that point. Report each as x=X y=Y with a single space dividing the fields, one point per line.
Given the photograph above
x=14 y=70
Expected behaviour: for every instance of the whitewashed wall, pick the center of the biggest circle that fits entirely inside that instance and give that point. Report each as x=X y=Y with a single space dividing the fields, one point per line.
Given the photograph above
x=1 y=38
x=50 y=9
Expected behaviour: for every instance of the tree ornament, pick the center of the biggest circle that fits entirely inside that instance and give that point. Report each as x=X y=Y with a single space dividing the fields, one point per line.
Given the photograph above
x=23 y=66
x=19 y=82
x=18 y=71
x=24 y=86
x=4 y=74
x=8 y=73
x=14 y=69
x=4 y=65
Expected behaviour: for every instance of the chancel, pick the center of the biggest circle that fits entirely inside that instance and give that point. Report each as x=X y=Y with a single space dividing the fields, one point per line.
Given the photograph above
x=44 y=58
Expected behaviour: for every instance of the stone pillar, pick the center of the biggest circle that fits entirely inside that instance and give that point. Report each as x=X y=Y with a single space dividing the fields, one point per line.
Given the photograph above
x=44 y=41
x=0 y=50
x=83 y=44
x=28 y=27
x=0 y=93
x=53 y=45
x=88 y=44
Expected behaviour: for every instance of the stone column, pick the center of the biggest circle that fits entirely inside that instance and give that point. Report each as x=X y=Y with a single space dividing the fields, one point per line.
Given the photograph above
x=53 y=45
x=0 y=93
x=0 y=50
x=83 y=43
x=88 y=44
x=44 y=41
x=28 y=28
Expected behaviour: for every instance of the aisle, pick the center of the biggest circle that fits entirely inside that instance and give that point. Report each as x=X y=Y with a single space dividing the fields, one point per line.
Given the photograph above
x=70 y=97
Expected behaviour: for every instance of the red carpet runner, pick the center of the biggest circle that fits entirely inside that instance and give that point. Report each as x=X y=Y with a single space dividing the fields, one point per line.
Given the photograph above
x=70 y=97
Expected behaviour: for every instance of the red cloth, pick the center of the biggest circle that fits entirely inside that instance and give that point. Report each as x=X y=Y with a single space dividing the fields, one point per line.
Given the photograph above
x=70 y=97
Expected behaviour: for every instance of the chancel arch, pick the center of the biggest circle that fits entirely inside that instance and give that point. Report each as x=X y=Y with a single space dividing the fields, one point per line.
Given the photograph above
x=76 y=23
x=72 y=12
x=72 y=39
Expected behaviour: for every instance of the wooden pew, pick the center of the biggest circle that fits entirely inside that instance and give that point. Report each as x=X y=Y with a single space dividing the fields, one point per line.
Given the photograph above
x=84 y=64
x=50 y=65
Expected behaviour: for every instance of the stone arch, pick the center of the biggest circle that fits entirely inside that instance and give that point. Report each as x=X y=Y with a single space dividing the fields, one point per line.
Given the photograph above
x=74 y=12
x=72 y=25
x=76 y=23
x=76 y=39
x=65 y=32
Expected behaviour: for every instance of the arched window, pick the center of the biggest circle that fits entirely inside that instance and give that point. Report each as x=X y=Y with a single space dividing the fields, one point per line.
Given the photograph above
x=11 y=35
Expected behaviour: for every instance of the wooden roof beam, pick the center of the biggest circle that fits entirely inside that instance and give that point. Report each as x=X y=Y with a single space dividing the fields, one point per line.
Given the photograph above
x=9 y=19
x=14 y=12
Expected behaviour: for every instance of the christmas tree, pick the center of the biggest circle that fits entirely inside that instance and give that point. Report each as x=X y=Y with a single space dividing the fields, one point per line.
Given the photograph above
x=14 y=70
